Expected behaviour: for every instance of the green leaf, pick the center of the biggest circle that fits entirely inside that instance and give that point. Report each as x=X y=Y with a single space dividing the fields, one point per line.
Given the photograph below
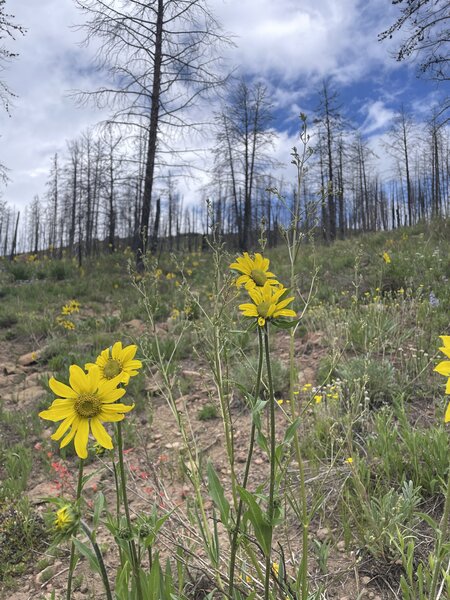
x=85 y=551
x=290 y=431
x=122 y=581
x=99 y=505
x=263 y=531
x=217 y=494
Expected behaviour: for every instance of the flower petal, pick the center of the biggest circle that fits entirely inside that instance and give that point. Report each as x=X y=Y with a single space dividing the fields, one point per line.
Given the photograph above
x=64 y=426
x=69 y=437
x=110 y=408
x=61 y=389
x=100 y=434
x=110 y=417
x=79 y=380
x=447 y=414
x=443 y=368
x=109 y=395
x=56 y=414
x=128 y=353
x=116 y=350
x=81 y=438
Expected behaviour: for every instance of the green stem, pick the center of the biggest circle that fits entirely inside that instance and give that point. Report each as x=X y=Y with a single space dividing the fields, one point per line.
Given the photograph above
x=99 y=556
x=442 y=534
x=117 y=488
x=72 y=560
x=123 y=482
x=234 y=541
x=270 y=507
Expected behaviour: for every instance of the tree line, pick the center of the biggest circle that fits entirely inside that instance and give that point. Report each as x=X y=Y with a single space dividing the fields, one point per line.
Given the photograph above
x=120 y=182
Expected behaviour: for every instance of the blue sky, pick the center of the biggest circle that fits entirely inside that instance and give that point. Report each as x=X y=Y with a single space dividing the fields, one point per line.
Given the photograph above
x=291 y=45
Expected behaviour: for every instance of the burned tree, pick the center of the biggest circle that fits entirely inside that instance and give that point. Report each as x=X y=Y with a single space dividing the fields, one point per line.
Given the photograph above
x=161 y=56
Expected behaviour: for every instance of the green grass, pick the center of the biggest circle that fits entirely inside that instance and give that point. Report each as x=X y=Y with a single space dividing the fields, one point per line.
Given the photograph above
x=369 y=337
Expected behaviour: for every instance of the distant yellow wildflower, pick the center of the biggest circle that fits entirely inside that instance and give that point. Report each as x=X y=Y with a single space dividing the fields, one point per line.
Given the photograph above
x=386 y=258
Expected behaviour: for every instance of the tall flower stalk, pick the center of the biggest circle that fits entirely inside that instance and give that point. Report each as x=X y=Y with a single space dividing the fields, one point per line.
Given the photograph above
x=248 y=462
x=269 y=304
x=72 y=559
x=293 y=237
x=272 y=459
x=83 y=407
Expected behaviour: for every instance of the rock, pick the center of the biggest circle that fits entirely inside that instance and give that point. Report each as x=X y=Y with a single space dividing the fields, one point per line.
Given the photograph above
x=340 y=546
x=35 y=378
x=41 y=491
x=323 y=534
x=136 y=326
x=30 y=395
x=9 y=369
x=172 y=445
x=30 y=358
x=187 y=373
x=365 y=580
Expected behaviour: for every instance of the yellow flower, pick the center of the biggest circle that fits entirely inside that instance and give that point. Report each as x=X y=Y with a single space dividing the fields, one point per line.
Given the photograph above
x=443 y=368
x=386 y=258
x=445 y=349
x=318 y=398
x=64 y=518
x=275 y=568
x=84 y=406
x=266 y=304
x=254 y=271
x=117 y=362
x=349 y=460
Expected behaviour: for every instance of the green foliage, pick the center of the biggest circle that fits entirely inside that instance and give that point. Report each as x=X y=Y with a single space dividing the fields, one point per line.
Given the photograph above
x=380 y=521
x=22 y=534
x=207 y=412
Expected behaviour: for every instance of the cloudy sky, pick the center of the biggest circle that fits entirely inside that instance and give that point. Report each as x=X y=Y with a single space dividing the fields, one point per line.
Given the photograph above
x=292 y=45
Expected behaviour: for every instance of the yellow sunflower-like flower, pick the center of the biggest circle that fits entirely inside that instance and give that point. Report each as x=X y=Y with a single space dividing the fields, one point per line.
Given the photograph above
x=84 y=406
x=443 y=368
x=255 y=271
x=64 y=518
x=267 y=304
x=117 y=362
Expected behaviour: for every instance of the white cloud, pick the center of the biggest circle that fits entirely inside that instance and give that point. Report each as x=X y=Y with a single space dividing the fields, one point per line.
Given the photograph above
x=290 y=44
x=378 y=117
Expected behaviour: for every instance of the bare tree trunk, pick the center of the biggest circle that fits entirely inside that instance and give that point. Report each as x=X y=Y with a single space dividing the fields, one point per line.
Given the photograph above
x=152 y=138
x=14 y=242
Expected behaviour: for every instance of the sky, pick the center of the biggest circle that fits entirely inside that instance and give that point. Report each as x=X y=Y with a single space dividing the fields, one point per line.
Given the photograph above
x=289 y=45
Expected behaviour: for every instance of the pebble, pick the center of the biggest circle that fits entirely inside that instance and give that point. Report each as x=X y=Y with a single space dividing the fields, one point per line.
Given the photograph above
x=323 y=534
x=341 y=546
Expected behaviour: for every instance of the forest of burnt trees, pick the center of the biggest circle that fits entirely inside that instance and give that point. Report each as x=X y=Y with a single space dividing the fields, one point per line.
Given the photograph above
x=119 y=183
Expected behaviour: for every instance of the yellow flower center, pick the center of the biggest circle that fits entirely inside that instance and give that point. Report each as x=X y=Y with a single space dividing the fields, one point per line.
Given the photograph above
x=87 y=405
x=112 y=368
x=259 y=277
x=263 y=308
